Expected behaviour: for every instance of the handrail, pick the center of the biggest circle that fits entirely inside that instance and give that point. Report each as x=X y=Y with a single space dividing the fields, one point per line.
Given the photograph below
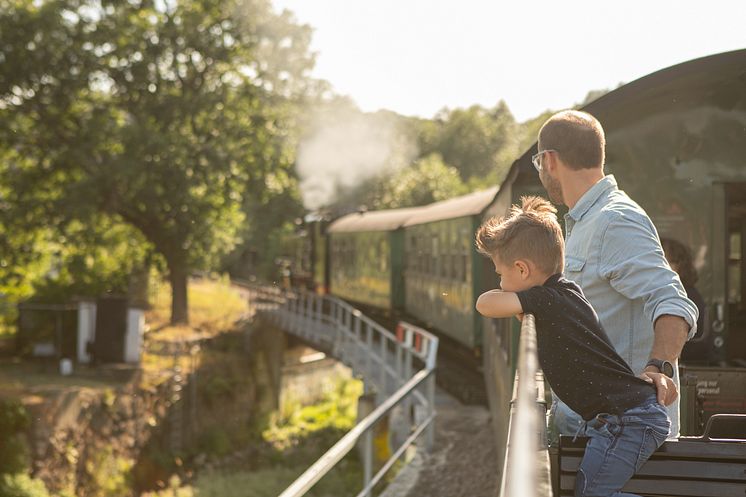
x=384 y=359
x=326 y=462
x=526 y=469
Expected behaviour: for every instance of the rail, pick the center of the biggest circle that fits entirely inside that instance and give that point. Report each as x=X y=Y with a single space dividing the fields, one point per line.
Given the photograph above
x=526 y=471
x=385 y=360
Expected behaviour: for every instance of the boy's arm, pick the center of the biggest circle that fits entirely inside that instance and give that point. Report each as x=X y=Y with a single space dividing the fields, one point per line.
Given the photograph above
x=499 y=304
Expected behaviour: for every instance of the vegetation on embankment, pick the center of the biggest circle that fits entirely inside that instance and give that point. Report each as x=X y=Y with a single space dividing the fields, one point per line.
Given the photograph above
x=239 y=443
x=283 y=447
x=245 y=446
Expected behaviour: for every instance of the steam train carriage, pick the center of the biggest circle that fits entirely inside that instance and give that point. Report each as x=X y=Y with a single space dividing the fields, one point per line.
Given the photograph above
x=444 y=273
x=367 y=257
x=420 y=260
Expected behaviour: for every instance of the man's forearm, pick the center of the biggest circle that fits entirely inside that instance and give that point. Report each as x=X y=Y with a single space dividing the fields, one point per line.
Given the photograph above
x=670 y=337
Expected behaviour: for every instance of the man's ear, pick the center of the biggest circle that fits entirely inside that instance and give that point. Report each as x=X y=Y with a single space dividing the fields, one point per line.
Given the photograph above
x=551 y=162
x=523 y=268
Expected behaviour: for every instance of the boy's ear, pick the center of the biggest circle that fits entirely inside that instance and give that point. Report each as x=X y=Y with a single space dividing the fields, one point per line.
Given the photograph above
x=523 y=268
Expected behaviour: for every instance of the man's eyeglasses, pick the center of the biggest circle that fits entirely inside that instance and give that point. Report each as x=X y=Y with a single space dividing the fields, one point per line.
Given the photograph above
x=535 y=158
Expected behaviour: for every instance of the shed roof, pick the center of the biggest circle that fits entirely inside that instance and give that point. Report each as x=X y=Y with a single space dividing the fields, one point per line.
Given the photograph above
x=466 y=205
x=386 y=220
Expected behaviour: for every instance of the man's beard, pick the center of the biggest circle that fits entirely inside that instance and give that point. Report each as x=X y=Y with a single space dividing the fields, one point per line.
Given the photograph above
x=553 y=188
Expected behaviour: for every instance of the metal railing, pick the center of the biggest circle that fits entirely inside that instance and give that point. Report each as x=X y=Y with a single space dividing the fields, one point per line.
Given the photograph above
x=385 y=360
x=526 y=472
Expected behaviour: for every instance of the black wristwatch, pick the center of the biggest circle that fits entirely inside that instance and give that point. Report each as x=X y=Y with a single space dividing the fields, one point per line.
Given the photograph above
x=664 y=367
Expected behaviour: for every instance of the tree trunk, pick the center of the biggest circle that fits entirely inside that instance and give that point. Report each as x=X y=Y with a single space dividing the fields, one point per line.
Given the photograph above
x=177 y=276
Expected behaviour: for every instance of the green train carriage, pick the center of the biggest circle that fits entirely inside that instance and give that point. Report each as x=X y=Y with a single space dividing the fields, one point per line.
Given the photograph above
x=444 y=273
x=367 y=256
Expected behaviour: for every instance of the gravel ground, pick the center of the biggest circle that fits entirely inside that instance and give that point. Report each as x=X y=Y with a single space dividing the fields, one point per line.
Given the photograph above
x=463 y=459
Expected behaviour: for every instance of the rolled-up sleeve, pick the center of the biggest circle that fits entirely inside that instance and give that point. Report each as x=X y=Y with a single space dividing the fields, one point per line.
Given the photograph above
x=632 y=261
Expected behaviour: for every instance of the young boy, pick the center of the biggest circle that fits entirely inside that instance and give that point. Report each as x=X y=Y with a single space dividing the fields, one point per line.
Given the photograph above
x=624 y=421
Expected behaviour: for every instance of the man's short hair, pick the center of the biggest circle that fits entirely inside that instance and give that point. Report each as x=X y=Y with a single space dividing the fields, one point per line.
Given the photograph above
x=530 y=232
x=577 y=137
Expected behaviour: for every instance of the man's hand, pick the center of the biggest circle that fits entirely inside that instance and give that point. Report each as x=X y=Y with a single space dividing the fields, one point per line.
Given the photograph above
x=665 y=387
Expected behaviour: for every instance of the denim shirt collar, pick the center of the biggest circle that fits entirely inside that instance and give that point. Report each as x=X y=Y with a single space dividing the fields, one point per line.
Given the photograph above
x=591 y=196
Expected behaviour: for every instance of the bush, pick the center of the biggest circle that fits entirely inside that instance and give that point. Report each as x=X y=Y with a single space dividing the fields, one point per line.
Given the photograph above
x=22 y=485
x=110 y=473
x=14 y=456
x=215 y=441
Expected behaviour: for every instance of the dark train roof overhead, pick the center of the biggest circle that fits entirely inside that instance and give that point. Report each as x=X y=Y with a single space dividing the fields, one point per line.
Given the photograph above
x=466 y=205
x=387 y=220
x=716 y=80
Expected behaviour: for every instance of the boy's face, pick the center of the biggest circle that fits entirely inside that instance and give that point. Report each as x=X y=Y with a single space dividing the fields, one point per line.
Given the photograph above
x=513 y=277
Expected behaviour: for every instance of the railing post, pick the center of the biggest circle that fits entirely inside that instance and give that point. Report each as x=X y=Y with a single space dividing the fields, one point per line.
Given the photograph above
x=369 y=353
x=430 y=431
x=339 y=333
x=399 y=366
x=309 y=322
x=350 y=342
x=408 y=343
x=320 y=316
x=382 y=366
x=367 y=458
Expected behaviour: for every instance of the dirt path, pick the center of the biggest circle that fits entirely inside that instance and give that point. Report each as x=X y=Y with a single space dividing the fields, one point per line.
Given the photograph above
x=463 y=460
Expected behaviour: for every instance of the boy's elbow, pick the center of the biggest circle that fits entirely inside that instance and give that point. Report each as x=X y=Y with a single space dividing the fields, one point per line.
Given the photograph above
x=480 y=305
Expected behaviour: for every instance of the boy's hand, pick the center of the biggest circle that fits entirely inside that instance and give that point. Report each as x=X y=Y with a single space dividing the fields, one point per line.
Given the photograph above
x=519 y=317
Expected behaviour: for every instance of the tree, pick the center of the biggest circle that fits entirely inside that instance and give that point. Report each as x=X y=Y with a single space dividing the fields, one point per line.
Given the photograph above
x=159 y=113
x=425 y=181
x=470 y=139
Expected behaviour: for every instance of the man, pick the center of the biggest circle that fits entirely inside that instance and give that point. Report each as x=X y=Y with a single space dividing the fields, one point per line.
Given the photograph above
x=614 y=254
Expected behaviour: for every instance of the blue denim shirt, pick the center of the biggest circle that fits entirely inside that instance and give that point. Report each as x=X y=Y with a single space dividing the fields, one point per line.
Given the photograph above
x=614 y=254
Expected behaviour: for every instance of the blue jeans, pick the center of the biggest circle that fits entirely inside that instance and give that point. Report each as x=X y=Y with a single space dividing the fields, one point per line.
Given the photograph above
x=618 y=446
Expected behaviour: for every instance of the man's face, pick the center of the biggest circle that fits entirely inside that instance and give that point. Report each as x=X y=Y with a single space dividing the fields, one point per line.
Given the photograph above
x=551 y=184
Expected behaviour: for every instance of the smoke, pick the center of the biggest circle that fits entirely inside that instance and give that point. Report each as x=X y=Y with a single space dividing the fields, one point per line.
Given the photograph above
x=345 y=148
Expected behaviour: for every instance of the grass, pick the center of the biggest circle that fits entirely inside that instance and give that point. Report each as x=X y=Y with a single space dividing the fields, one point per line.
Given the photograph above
x=292 y=441
x=266 y=482
x=214 y=308
x=337 y=411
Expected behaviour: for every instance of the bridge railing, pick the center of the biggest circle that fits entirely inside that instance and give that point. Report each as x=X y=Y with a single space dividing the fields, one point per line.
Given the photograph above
x=399 y=367
x=526 y=472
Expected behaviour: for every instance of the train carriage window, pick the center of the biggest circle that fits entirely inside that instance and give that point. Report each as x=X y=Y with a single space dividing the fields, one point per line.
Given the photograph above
x=428 y=267
x=448 y=254
x=734 y=269
x=435 y=260
x=383 y=256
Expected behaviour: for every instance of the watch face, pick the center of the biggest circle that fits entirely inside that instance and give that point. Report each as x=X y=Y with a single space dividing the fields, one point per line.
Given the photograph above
x=667 y=369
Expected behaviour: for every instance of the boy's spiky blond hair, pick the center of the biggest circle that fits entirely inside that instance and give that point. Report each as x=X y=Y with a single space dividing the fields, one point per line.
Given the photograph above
x=530 y=232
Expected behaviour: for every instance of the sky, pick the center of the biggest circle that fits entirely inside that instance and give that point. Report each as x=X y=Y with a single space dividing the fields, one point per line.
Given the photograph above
x=417 y=57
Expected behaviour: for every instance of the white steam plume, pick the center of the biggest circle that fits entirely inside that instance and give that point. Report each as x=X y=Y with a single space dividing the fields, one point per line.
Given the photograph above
x=346 y=147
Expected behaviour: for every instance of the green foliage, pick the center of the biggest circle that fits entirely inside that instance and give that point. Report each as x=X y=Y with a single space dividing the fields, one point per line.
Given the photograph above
x=163 y=115
x=110 y=474
x=471 y=139
x=13 y=418
x=22 y=485
x=215 y=441
x=15 y=454
x=335 y=414
x=427 y=180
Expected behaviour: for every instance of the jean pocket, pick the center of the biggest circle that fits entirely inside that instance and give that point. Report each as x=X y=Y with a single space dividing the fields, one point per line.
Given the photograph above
x=652 y=439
